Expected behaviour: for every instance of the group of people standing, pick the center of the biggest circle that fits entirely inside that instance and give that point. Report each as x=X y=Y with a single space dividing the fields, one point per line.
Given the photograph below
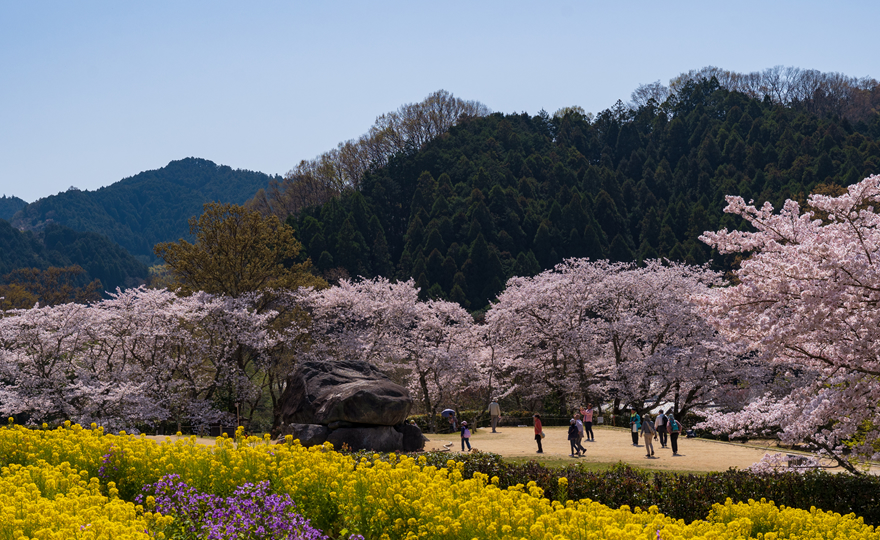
x=580 y=427
x=663 y=428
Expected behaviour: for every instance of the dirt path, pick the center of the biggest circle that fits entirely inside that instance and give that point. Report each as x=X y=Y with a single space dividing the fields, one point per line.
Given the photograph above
x=611 y=445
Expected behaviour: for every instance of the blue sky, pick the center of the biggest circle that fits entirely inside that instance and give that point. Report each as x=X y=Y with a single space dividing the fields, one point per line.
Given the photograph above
x=92 y=92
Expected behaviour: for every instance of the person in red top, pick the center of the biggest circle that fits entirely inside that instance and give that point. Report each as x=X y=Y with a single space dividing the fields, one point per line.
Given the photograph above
x=539 y=432
x=587 y=418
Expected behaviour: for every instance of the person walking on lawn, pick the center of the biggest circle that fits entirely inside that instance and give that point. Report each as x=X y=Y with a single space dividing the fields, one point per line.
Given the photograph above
x=660 y=425
x=580 y=426
x=635 y=424
x=648 y=432
x=573 y=435
x=674 y=429
x=539 y=432
x=495 y=413
x=587 y=417
x=465 y=436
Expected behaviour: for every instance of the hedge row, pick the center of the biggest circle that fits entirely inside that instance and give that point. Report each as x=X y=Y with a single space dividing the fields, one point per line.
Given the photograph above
x=683 y=496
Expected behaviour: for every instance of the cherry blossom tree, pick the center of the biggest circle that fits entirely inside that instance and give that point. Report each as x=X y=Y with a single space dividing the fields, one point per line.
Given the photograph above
x=491 y=375
x=586 y=330
x=807 y=301
x=426 y=346
x=37 y=348
x=139 y=357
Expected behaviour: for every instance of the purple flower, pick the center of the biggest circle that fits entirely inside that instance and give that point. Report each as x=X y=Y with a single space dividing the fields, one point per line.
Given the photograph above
x=252 y=511
x=107 y=459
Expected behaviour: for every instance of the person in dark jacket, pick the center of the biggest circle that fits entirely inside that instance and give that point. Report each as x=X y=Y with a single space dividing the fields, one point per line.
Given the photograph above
x=465 y=436
x=573 y=436
x=660 y=425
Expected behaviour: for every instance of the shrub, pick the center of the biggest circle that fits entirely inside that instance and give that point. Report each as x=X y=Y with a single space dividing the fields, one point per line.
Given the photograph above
x=684 y=496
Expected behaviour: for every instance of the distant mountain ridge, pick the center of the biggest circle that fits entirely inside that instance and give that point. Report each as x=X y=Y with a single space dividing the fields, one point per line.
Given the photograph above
x=150 y=207
x=9 y=206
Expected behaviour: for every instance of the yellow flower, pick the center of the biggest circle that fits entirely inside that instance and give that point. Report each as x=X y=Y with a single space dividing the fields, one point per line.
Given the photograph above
x=55 y=488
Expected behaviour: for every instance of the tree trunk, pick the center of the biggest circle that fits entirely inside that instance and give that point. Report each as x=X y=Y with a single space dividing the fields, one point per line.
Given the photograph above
x=426 y=400
x=677 y=397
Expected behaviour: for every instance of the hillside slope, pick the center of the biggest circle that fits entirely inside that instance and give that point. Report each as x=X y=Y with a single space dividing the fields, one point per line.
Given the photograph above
x=61 y=246
x=147 y=208
x=9 y=206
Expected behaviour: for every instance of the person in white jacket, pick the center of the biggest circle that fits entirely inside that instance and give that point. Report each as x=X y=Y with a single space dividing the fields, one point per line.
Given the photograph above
x=495 y=413
x=660 y=426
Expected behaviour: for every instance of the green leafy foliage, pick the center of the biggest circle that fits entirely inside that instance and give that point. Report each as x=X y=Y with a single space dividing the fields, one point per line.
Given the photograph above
x=236 y=251
x=143 y=210
x=508 y=195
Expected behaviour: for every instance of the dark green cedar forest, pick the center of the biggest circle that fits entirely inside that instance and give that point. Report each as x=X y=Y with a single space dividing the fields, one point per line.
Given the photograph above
x=9 y=206
x=150 y=207
x=59 y=246
x=507 y=195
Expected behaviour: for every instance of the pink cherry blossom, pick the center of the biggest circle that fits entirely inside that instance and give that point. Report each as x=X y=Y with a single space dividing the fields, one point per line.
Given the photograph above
x=806 y=302
x=587 y=330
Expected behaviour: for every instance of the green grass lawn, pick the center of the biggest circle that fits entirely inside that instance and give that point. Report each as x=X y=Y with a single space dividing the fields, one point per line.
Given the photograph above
x=557 y=462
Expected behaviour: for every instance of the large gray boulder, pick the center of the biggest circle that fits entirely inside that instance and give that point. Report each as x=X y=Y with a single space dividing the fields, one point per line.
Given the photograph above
x=377 y=438
x=308 y=434
x=413 y=440
x=341 y=393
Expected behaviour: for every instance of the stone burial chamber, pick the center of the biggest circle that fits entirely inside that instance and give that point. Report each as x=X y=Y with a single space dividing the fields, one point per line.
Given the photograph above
x=347 y=402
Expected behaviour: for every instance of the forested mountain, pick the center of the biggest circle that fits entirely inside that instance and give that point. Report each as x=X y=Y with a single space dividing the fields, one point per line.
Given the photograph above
x=409 y=128
x=61 y=246
x=147 y=208
x=507 y=195
x=9 y=206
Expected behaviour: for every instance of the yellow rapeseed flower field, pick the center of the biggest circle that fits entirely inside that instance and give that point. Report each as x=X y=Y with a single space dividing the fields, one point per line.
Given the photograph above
x=56 y=502
x=74 y=482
